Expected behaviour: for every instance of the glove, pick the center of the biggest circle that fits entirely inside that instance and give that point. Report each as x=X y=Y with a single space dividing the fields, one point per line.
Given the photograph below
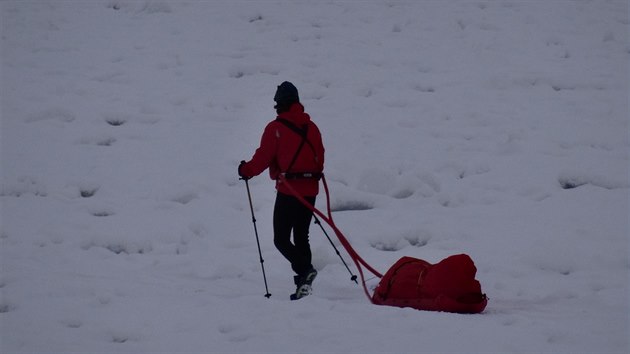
x=240 y=166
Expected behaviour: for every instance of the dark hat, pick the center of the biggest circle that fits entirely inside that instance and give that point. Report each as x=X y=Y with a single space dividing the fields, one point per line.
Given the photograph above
x=286 y=94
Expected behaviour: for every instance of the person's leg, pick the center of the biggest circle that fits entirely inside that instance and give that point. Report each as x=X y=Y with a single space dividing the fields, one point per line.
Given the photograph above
x=291 y=216
x=303 y=216
x=283 y=218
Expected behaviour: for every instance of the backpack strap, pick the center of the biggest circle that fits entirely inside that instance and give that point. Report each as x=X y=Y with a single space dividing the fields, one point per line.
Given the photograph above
x=301 y=132
x=298 y=131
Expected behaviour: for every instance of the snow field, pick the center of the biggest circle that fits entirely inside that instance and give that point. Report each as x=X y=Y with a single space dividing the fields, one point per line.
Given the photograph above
x=497 y=129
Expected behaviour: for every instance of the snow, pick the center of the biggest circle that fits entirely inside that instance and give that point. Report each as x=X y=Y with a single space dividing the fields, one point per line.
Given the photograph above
x=493 y=128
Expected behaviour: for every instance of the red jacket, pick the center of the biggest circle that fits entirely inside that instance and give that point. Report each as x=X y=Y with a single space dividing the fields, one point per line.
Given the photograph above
x=278 y=147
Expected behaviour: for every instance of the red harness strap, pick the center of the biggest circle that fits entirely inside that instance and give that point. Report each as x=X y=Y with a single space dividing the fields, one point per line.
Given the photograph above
x=358 y=261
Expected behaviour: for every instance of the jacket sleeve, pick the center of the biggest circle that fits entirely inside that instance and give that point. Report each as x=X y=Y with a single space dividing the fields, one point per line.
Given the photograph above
x=323 y=151
x=265 y=155
x=319 y=147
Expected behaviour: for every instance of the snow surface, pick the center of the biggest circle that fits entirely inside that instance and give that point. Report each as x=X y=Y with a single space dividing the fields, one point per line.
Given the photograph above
x=493 y=128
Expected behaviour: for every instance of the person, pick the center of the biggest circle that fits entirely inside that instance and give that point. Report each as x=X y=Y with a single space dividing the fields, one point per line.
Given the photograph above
x=291 y=145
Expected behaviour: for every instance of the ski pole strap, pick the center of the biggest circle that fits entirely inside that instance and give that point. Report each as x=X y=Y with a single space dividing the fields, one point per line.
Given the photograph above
x=303 y=175
x=358 y=261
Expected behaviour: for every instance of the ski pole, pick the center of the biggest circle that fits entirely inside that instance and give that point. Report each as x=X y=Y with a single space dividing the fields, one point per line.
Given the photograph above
x=352 y=276
x=251 y=207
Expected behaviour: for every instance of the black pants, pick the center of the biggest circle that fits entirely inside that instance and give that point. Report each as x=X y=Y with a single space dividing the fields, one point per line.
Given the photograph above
x=291 y=215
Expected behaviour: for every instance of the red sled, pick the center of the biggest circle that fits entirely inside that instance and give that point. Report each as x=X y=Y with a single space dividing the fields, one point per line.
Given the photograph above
x=448 y=286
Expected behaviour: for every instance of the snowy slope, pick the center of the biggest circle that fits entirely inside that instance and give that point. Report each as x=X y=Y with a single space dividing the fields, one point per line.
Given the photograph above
x=493 y=128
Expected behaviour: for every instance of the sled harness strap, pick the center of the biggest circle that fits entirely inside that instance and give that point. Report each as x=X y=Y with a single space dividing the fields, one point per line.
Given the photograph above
x=303 y=133
x=303 y=175
x=358 y=261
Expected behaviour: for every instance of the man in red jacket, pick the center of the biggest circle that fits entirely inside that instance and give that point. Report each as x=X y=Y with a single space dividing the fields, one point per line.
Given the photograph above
x=291 y=145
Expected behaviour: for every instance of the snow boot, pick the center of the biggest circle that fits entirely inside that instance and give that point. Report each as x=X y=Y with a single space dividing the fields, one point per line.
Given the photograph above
x=304 y=284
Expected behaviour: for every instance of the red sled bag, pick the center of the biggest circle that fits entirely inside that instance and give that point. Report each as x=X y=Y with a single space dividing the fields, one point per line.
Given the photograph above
x=449 y=285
